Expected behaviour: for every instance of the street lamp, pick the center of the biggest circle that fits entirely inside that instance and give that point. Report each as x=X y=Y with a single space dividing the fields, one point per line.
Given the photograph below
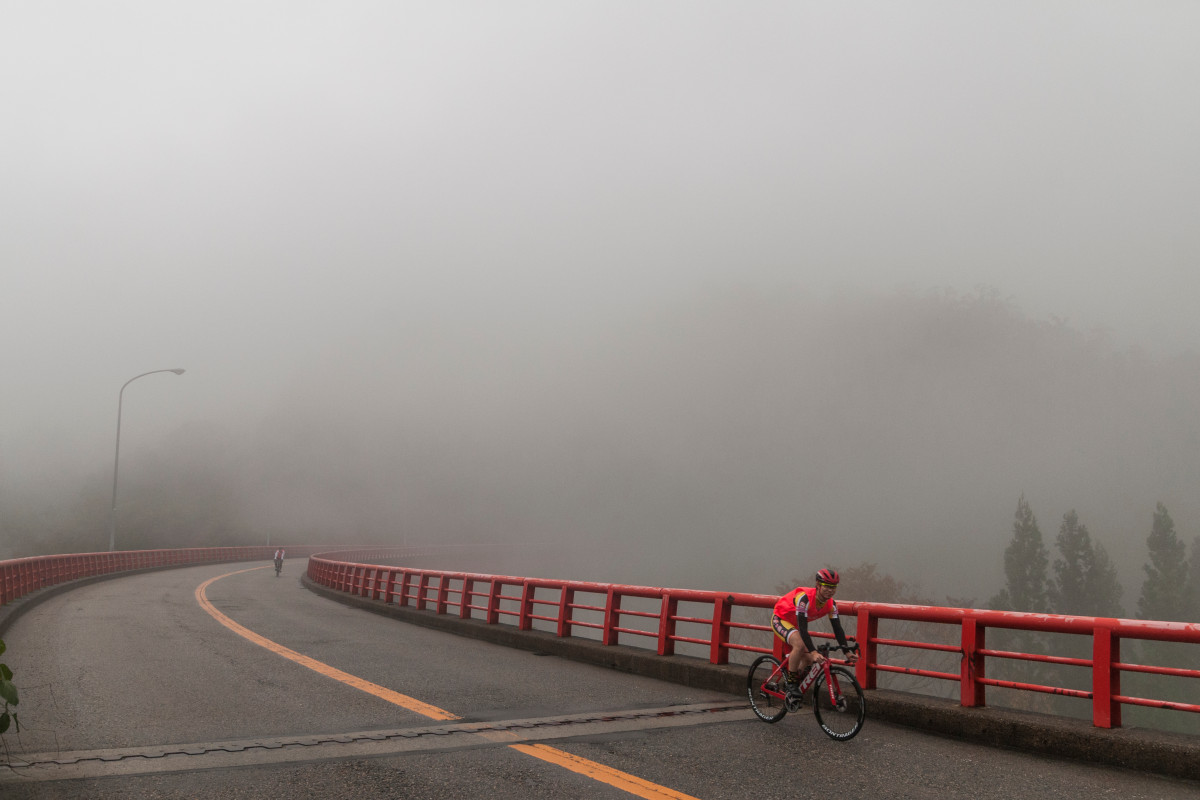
x=112 y=518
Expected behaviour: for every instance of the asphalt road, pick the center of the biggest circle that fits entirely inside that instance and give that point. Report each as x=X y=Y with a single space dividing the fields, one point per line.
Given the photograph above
x=120 y=678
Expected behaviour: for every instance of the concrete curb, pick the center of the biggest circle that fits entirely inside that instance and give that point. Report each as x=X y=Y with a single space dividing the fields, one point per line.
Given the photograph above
x=1170 y=754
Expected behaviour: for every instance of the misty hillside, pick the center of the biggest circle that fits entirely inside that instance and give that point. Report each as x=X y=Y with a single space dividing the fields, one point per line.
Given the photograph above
x=732 y=441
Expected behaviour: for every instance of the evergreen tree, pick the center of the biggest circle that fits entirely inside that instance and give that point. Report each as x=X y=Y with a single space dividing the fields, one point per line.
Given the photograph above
x=1025 y=562
x=1165 y=589
x=1076 y=559
x=1025 y=589
x=1085 y=580
x=1103 y=590
x=1194 y=581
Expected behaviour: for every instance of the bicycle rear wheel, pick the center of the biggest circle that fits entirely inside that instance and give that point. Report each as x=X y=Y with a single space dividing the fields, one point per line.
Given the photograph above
x=841 y=716
x=765 y=673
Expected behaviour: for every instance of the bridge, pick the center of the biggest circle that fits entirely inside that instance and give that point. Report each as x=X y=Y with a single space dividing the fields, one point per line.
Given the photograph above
x=216 y=679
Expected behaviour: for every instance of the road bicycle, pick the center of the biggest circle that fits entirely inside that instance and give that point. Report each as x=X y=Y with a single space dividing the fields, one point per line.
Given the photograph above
x=278 y=566
x=837 y=699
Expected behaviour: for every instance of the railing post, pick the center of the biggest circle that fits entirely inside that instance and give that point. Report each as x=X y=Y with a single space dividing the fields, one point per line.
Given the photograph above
x=971 y=690
x=468 y=587
x=866 y=632
x=719 y=649
x=493 y=605
x=565 y=600
x=405 y=584
x=524 y=618
x=666 y=625
x=1106 y=681
x=443 y=587
x=612 y=613
x=422 y=591
x=389 y=592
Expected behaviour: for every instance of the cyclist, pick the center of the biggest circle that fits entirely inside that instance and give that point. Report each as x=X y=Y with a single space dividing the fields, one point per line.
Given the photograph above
x=278 y=560
x=792 y=614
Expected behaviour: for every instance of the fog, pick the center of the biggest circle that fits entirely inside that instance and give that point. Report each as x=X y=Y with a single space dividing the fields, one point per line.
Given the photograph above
x=680 y=293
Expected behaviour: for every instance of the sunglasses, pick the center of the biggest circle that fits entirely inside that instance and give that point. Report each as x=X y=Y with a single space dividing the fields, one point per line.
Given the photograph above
x=827 y=585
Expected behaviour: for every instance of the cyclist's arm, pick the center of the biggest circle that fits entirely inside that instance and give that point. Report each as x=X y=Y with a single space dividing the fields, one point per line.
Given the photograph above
x=801 y=608
x=838 y=632
x=802 y=626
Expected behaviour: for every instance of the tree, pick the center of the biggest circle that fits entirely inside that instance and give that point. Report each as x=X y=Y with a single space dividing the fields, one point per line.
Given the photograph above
x=1076 y=559
x=1165 y=589
x=1165 y=596
x=866 y=582
x=1085 y=581
x=1025 y=562
x=1026 y=589
x=1194 y=581
x=1103 y=589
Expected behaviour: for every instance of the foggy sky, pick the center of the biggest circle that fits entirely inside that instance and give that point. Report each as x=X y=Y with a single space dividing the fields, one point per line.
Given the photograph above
x=303 y=204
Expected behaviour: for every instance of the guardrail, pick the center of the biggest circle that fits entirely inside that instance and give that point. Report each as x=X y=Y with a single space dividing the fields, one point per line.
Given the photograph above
x=20 y=576
x=600 y=609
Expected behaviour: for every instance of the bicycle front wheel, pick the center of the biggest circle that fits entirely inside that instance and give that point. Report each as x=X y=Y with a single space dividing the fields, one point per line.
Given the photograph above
x=840 y=713
x=764 y=687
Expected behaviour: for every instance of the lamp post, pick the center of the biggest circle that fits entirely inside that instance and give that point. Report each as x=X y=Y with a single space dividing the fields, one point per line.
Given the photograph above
x=112 y=518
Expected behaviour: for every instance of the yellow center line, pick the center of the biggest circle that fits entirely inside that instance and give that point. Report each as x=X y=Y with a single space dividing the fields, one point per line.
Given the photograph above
x=402 y=700
x=593 y=770
x=599 y=772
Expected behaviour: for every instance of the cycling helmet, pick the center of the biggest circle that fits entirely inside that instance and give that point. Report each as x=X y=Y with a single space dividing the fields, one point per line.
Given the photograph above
x=828 y=576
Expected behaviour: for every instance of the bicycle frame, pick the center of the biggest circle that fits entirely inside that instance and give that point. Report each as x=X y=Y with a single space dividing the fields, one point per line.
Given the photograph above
x=822 y=666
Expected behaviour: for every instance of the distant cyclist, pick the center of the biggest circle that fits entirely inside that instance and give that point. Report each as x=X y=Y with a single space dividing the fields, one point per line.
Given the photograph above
x=792 y=614
x=279 y=560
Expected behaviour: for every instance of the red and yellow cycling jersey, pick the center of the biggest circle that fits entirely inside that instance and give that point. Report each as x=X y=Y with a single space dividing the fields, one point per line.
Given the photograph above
x=803 y=600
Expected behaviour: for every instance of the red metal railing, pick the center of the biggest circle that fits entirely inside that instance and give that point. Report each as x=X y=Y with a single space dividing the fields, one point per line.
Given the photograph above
x=20 y=576
x=1105 y=664
x=563 y=606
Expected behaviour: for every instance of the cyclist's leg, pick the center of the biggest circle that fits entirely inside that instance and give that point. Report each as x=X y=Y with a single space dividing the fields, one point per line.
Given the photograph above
x=788 y=633
x=799 y=659
x=782 y=628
